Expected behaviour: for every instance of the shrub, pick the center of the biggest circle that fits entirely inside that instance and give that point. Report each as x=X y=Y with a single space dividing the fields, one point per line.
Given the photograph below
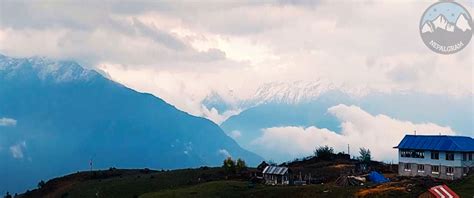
x=324 y=152
x=8 y=195
x=241 y=165
x=229 y=165
x=41 y=184
x=365 y=155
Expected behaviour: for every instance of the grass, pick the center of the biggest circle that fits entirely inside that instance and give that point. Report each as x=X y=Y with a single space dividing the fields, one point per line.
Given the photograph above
x=211 y=182
x=464 y=188
x=240 y=189
x=134 y=184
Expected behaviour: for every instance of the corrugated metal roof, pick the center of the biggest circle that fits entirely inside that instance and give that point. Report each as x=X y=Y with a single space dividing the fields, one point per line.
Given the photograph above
x=442 y=191
x=275 y=170
x=437 y=143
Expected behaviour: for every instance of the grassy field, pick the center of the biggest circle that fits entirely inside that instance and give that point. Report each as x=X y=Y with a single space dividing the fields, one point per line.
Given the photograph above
x=241 y=189
x=464 y=188
x=212 y=182
x=124 y=183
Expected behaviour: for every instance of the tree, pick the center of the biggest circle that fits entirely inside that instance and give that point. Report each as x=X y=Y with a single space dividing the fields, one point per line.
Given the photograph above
x=41 y=184
x=8 y=195
x=229 y=165
x=324 y=152
x=240 y=165
x=365 y=155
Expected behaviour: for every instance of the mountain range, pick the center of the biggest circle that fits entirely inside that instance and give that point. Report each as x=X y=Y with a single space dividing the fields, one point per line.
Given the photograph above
x=59 y=117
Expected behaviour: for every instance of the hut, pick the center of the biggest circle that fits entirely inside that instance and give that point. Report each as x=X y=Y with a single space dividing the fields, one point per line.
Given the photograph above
x=276 y=175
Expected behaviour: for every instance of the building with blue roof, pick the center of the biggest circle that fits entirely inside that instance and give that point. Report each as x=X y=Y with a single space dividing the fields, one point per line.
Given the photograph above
x=440 y=156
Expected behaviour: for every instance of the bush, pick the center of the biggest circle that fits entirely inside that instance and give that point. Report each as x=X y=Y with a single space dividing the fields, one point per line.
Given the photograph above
x=229 y=165
x=241 y=165
x=324 y=152
x=145 y=171
x=41 y=184
x=8 y=195
x=365 y=155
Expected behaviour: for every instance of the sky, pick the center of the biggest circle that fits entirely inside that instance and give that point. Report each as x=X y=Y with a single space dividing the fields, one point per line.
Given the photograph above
x=183 y=51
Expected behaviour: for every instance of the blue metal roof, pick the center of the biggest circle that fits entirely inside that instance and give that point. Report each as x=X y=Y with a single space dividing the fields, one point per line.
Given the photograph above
x=437 y=143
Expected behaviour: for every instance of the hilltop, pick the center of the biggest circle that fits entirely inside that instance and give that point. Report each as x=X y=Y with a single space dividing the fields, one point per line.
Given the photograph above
x=216 y=182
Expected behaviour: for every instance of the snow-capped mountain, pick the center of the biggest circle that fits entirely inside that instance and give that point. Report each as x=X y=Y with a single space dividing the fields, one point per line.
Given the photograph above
x=46 y=69
x=280 y=92
x=291 y=92
x=65 y=114
x=463 y=23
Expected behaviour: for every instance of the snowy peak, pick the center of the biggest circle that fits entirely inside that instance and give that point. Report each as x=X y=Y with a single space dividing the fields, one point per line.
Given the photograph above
x=44 y=69
x=463 y=23
x=291 y=92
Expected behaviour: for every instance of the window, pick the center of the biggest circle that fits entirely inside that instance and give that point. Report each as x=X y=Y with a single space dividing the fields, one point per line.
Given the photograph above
x=470 y=156
x=413 y=154
x=418 y=154
x=435 y=169
x=449 y=156
x=421 y=168
x=464 y=156
x=449 y=171
x=407 y=167
x=435 y=155
x=405 y=153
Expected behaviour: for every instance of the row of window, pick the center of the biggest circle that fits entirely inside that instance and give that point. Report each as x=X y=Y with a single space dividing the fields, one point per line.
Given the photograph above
x=467 y=156
x=412 y=154
x=434 y=169
x=434 y=155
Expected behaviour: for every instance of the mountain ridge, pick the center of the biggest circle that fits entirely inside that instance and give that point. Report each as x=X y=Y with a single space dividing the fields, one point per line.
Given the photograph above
x=58 y=104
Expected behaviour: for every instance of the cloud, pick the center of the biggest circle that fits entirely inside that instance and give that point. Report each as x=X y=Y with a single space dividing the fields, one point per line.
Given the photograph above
x=235 y=134
x=17 y=150
x=7 y=122
x=225 y=153
x=379 y=133
x=215 y=116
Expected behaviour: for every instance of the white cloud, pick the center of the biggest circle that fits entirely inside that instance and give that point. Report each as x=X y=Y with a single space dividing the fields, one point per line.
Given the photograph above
x=379 y=133
x=215 y=115
x=224 y=152
x=7 y=122
x=235 y=134
x=17 y=150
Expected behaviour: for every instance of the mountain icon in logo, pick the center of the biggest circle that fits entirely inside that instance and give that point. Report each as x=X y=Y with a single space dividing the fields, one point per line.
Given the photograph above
x=462 y=23
x=442 y=23
x=446 y=27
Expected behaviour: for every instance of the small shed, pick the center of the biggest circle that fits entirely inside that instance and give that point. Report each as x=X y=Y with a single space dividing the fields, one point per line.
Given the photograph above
x=276 y=175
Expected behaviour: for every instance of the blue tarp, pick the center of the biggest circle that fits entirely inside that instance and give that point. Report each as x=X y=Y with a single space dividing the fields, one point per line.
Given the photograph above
x=377 y=177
